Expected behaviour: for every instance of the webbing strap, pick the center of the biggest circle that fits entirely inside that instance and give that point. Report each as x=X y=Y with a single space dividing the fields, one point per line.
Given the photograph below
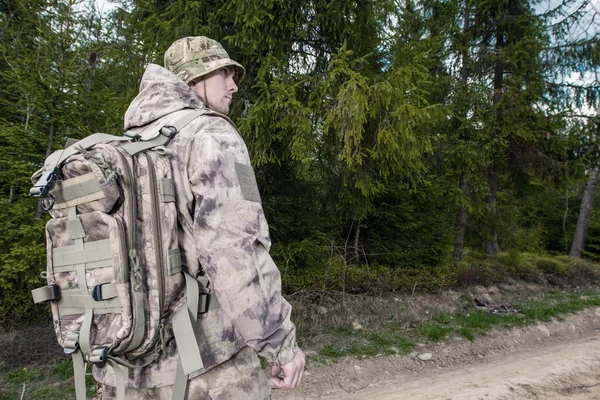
x=181 y=383
x=45 y=293
x=137 y=147
x=86 y=329
x=88 y=266
x=79 y=247
x=108 y=291
x=184 y=322
x=88 y=245
x=79 y=375
x=75 y=229
x=167 y=190
x=173 y=261
x=69 y=255
x=49 y=173
x=79 y=186
x=70 y=142
x=74 y=299
x=119 y=378
x=211 y=298
x=59 y=156
x=81 y=310
x=133 y=148
x=125 y=364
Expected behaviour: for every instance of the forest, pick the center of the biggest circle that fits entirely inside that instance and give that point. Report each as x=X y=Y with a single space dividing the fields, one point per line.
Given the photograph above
x=398 y=144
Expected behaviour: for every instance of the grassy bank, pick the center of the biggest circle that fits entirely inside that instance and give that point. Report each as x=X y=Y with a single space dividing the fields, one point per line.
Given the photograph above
x=371 y=333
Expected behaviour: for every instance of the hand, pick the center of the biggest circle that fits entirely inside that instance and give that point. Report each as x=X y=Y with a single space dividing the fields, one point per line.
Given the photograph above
x=291 y=373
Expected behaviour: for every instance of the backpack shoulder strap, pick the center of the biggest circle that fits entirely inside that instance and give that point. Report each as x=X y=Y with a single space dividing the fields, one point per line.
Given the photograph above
x=167 y=132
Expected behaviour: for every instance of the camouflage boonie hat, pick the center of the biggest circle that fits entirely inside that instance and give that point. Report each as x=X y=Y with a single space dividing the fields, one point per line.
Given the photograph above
x=192 y=57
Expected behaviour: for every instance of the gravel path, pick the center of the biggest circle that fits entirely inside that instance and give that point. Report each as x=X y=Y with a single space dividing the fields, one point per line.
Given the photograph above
x=556 y=360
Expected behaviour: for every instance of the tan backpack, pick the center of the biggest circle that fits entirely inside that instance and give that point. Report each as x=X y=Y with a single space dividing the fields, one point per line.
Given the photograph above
x=114 y=268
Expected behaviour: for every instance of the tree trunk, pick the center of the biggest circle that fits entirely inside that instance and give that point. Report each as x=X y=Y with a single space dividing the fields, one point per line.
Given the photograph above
x=28 y=115
x=585 y=212
x=461 y=217
x=461 y=222
x=356 y=243
x=464 y=72
x=491 y=243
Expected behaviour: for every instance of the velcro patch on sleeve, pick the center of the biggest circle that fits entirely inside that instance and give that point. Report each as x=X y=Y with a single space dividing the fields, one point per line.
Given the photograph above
x=247 y=182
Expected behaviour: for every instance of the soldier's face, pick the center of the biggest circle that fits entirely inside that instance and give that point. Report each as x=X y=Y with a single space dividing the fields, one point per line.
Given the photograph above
x=217 y=89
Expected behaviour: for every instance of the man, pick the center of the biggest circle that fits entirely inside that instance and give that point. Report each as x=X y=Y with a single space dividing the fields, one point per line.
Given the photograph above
x=222 y=232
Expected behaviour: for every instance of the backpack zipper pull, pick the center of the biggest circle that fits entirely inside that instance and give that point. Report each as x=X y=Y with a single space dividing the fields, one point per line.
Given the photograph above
x=160 y=344
x=135 y=269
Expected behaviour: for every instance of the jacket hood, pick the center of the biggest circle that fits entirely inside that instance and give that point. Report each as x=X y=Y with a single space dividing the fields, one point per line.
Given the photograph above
x=161 y=93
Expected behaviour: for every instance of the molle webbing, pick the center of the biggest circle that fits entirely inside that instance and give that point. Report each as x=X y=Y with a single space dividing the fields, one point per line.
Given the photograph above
x=173 y=261
x=93 y=254
x=75 y=191
x=167 y=190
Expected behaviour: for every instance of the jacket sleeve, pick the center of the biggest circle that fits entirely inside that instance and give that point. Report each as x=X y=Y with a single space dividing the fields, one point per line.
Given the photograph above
x=232 y=241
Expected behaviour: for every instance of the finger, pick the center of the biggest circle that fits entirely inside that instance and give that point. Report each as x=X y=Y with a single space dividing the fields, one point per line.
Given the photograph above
x=296 y=377
x=299 y=368
x=278 y=383
x=301 y=375
x=275 y=383
x=288 y=378
x=275 y=370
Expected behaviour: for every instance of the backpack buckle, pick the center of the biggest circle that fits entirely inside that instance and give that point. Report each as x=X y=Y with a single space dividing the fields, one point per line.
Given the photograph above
x=99 y=356
x=97 y=292
x=204 y=303
x=168 y=131
x=71 y=343
x=46 y=182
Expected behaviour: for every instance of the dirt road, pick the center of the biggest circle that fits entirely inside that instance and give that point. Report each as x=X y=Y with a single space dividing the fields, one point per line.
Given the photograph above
x=557 y=360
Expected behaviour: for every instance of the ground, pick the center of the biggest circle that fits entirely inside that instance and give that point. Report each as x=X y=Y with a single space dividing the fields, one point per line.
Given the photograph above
x=555 y=360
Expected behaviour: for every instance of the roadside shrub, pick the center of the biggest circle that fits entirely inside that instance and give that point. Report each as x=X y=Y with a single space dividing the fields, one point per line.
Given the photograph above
x=581 y=272
x=479 y=269
x=335 y=274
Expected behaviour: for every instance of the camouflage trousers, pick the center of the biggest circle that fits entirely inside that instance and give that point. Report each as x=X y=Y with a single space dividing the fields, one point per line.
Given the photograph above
x=240 y=377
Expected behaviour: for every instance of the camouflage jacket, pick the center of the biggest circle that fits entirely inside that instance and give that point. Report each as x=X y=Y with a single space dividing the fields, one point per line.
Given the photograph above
x=222 y=230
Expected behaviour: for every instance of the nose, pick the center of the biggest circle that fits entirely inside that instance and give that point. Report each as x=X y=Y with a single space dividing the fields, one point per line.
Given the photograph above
x=232 y=87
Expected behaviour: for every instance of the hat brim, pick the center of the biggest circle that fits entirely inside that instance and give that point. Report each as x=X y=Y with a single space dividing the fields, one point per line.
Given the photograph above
x=195 y=71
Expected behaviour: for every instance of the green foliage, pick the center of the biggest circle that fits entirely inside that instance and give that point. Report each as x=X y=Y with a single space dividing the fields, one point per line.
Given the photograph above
x=63 y=369
x=433 y=332
x=361 y=343
x=24 y=375
x=361 y=119
x=330 y=351
x=37 y=384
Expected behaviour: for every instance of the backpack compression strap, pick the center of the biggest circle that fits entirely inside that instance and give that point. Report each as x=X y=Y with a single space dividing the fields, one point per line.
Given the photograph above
x=199 y=300
x=54 y=161
x=50 y=172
